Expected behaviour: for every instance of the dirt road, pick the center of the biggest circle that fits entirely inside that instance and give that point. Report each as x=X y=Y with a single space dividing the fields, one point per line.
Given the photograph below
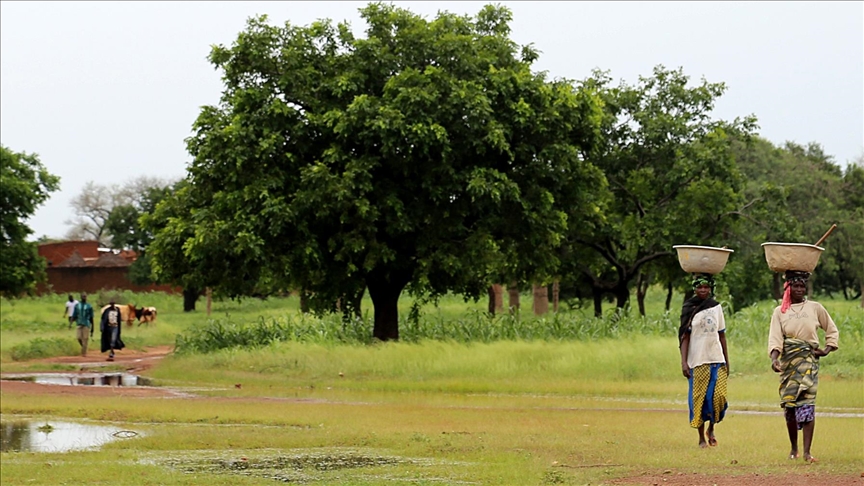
x=132 y=361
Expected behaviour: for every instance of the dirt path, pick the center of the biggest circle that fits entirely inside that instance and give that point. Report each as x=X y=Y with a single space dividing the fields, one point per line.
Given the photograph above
x=133 y=361
x=670 y=478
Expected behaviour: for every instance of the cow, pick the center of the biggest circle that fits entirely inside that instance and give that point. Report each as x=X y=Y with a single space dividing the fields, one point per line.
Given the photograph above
x=147 y=315
x=128 y=313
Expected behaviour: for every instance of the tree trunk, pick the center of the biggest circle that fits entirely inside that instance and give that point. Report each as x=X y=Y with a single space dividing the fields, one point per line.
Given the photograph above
x=385 y=289
x=668 y=296
x=541 y=300
x=304 y=302
x=556 y=291
x=777 y=287
x=513 y=293
x=209 y=300
x=862 y=294
x=622 y=294
x=356 y=303
x=496 y=299
x=190 y=296
x=598 y=300
x=641 y=291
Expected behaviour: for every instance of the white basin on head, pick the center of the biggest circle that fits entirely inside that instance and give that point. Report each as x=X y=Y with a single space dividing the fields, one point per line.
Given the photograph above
x=792 y=256
x=702 y=259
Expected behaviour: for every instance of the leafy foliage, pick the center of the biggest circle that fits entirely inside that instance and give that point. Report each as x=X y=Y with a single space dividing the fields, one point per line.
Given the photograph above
x=105 y=211
x=671 y=173
x=426 y=154
x=24 y=185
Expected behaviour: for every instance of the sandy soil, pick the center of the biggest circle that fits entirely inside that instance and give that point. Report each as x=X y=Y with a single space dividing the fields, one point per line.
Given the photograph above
x=672 y=478
x=139 y=361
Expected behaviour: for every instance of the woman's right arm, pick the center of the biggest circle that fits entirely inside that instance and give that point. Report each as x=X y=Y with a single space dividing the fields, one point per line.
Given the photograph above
x=685 y=347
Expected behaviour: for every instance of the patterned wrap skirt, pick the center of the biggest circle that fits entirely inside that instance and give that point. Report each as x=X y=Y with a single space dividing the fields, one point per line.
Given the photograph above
x=799 y=379
x=707 y=394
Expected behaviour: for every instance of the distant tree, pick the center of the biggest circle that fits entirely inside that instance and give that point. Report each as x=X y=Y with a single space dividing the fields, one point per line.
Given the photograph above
x=124 y=228
x=24 y=185
x=849 y=240
x=426 y=156
x=94 y=205
x=670 y=168
x=764 y=216
x=91 y=208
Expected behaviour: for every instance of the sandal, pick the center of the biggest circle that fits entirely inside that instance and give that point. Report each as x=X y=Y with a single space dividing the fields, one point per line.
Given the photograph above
x=712 y=441
x=793 y=456
x=811 y=459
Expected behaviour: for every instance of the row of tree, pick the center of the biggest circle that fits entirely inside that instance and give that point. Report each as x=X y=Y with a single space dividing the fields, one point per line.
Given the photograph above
x=429 y=157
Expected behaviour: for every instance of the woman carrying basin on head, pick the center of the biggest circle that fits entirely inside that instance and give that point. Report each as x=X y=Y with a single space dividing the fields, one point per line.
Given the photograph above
x=793 y=344
x=704 y=357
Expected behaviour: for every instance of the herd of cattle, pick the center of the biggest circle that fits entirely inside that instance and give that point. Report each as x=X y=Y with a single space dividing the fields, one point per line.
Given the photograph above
x=128 y=314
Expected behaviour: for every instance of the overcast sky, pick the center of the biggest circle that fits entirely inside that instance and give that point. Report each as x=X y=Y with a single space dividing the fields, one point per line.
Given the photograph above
x=108 y=91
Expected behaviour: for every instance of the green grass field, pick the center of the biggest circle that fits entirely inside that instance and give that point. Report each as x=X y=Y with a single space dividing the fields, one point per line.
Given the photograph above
x=561 y=399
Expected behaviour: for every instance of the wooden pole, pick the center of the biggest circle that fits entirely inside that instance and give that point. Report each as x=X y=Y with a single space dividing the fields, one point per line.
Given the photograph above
x=833 y=226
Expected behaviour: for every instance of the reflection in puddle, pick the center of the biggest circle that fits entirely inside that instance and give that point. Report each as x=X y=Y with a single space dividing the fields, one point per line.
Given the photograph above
x=95 y=379
x=51 y=436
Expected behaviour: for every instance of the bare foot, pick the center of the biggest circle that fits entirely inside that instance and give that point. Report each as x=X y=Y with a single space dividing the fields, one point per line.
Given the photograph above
x=703 y=444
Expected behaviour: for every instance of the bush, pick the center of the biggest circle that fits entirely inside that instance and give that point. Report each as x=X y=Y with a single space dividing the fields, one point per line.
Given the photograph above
x=44 y=348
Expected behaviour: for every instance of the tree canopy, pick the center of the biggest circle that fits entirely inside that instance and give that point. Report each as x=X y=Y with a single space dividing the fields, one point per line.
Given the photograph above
x=672 y=175
x=25 y=184
x=426 y=155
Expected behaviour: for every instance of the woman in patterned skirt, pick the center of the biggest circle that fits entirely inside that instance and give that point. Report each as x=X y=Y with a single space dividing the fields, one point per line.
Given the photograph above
x=704 y=358
x=793 y=345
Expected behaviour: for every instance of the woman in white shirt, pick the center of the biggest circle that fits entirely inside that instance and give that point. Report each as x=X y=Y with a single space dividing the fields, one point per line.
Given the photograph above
x=793 y=344
x=704 y=358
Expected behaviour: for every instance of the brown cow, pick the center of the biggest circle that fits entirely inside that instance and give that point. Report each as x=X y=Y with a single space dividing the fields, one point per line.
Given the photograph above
x=128 y=313
x=147 y=315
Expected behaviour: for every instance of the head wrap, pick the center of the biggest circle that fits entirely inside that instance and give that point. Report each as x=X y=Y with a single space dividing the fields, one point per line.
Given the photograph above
x=791 y=276
x=703 y=279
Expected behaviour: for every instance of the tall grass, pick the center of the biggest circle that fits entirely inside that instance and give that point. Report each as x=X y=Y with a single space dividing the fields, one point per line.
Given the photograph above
x=252 y=323
x=746 y=331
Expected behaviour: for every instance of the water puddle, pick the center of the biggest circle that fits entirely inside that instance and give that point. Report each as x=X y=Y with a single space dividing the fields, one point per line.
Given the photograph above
x=85 y=379
x=55 y=436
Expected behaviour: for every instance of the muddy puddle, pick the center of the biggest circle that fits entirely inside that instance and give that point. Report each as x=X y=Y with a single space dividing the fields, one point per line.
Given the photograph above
x=81 y=379
x=22 y=435
x=293 y=467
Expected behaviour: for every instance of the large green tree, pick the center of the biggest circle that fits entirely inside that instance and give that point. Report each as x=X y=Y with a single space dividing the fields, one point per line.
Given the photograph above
x=426 y=156
x=24 y=185
x=670 y=168
x=166 y=256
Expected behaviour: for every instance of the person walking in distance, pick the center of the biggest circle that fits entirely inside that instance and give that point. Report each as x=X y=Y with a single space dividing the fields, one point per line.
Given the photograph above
x=109 y=325
x=83 y=317
x=70 y=309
